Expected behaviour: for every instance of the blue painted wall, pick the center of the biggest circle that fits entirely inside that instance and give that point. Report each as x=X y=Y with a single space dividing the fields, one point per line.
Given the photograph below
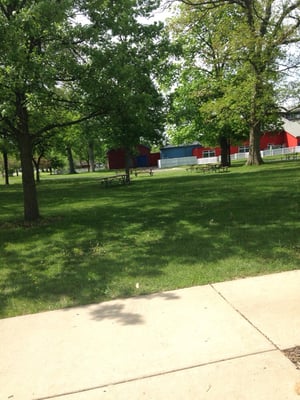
x=142 y=161
x=178 y=151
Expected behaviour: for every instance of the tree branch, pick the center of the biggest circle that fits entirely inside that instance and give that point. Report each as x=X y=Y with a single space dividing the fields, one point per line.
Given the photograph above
x=67 y=123
x=286 y=11
x=266 y=18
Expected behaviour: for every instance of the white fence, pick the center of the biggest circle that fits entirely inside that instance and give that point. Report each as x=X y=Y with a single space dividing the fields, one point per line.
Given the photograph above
x=208 y=160
x=281 y=151
x=267 y=153
x=176 y=162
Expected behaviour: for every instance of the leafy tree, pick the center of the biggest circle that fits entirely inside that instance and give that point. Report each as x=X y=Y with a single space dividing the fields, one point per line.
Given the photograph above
x=125 y=58
x=50 y=65
x=39 y=49
x=198 y=111
x=256 y=43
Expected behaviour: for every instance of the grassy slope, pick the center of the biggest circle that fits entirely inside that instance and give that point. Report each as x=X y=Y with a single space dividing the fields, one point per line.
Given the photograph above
x=175 y=229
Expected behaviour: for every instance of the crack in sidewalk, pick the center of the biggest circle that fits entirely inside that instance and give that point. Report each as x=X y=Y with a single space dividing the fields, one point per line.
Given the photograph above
x=154 y=375
x=244 y=317
x=143 y=377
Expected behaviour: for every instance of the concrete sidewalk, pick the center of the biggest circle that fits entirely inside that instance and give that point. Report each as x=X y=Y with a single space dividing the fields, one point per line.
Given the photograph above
x=220 y=341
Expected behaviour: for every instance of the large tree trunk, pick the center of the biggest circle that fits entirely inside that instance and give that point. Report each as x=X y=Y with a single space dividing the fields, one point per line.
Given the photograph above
x=255 y=122
x=31 y=209
x=225 y=151
x=255 y=157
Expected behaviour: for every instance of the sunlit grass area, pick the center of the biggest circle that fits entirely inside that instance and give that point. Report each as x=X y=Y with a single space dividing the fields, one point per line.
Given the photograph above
x=175 y=229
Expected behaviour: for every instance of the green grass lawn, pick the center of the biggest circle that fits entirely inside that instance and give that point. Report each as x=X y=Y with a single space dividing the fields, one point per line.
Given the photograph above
x=175 y=229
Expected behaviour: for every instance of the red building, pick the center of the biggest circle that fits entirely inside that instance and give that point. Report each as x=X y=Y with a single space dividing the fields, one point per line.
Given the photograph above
x=143 y=158
x=292 y=133
x=288 y=137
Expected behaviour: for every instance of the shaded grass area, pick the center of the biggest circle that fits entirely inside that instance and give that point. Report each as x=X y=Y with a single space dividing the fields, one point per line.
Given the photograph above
x=175 y=229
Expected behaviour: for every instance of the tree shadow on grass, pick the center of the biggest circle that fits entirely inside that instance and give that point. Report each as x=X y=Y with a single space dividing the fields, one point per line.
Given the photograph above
x=107 y=240
x=58 y=273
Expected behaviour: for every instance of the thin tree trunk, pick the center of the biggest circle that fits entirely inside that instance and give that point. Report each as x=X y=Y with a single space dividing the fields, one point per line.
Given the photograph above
x=91 y=156
x=5 y=162
x=127 y=164
x=37 y=168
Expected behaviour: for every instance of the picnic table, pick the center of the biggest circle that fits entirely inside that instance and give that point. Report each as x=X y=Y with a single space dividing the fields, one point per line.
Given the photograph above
x=118 y=179
x=193 y=168
x=291 y=156
x=214 y=168
x=143 y=171
x=221 y=168
x=211 y=167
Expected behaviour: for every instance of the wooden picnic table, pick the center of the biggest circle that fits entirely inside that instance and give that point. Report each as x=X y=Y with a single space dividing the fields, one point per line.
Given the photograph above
x=208 y=168
x=118 y=178
x=211 y=168
x=143 y=171
x=291 y=156
x=221 y=168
